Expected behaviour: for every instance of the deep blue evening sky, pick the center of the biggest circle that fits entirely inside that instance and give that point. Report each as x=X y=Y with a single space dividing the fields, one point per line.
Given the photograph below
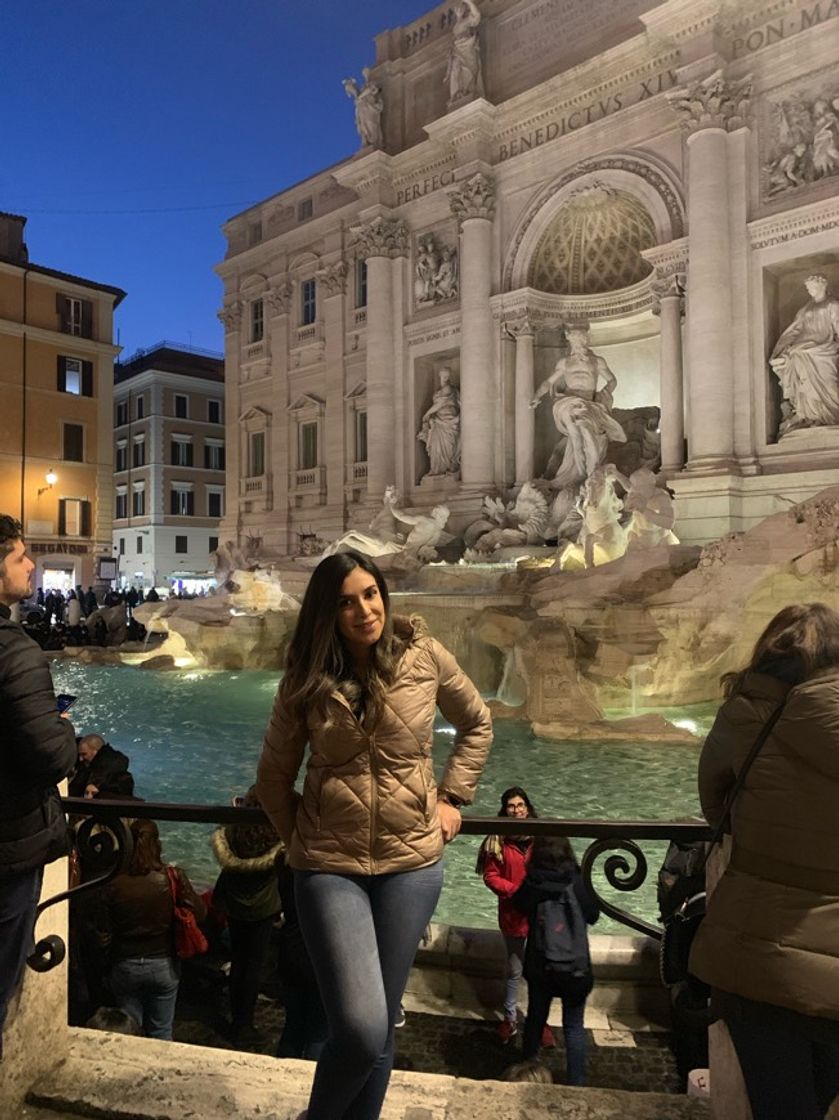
x=133 y=128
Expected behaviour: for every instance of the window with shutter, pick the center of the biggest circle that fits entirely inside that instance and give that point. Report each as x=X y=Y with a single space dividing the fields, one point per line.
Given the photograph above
x=85 y=518
x=73 y=443
x=62 y=517
x=139 y=455
x=87 y=379
x=122 y=413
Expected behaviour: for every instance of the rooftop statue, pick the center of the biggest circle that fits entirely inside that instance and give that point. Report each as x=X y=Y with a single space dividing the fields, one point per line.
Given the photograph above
x=369 y=105
x=806 y=362
x=463 y=73
x=440 y=431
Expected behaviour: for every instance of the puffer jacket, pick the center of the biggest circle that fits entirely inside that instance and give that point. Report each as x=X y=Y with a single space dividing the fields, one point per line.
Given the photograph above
x=504 y=877
x=369 y=803
x=37 y=749
x=247 y=889
x=770 y=933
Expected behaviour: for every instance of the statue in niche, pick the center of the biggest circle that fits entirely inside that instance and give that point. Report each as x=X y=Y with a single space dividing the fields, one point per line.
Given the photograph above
x=369 y=105
x=440 y=431
x=806 y=362
x=463 y=72
x=581 y=387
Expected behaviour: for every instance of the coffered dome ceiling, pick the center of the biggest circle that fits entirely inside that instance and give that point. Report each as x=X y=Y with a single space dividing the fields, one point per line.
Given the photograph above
x=594 y=244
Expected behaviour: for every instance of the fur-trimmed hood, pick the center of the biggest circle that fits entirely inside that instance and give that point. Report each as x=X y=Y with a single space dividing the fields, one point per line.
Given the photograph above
x=229 y=861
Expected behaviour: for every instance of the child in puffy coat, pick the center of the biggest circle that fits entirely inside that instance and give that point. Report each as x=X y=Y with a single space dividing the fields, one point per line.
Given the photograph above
x=557 y=962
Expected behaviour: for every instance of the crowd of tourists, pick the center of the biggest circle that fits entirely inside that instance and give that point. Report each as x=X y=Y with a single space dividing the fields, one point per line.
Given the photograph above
x=350 y=869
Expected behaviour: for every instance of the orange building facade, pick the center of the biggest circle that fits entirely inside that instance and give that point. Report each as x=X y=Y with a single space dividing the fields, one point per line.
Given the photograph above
x=56 y=413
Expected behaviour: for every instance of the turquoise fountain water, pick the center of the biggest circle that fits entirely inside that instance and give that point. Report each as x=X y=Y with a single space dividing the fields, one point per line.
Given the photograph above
x=195 y=737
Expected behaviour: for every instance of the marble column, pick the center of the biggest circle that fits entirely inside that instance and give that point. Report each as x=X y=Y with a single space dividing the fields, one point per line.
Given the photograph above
x=709 y=109
x=667 y=303
x=474 y=206
x=524 y=390
x=382 y=241
x=230 y=317
x=282 y=450
x=332 y=283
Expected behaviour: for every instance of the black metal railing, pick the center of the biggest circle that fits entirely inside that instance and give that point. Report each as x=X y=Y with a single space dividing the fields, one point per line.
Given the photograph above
x=104 y=843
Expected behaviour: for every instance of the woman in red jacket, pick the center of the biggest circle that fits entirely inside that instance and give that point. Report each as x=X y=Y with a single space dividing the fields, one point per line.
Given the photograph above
x=502 y=860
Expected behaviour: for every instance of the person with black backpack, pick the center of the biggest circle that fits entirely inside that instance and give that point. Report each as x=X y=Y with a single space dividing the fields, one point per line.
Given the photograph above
x=557 y=960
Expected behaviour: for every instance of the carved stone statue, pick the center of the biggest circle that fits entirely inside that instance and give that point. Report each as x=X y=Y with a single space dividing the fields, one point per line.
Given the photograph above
x=581 y=387
x=650 y=509
x=463 y=72
x=520 y=522
x=440 y=431
x=446 y=283
x=229 y=558
x=425 y=270
x=428 y=530
x=369 y=105
x=806 y=362
x=602 y=537
x=804 y=144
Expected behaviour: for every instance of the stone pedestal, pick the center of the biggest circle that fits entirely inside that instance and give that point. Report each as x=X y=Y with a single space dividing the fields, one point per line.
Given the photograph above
x=36 y=1035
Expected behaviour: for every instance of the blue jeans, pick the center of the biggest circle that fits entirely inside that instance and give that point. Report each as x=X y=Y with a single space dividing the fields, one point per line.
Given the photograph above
x=362 y=934
x=19 y=896
x=515 y=963
x=147 y=988
x=573 y=995
x=790 y=1068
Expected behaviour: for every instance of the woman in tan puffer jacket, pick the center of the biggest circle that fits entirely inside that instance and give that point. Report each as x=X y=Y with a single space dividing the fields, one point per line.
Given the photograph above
x=366 y=836
x=769 y=945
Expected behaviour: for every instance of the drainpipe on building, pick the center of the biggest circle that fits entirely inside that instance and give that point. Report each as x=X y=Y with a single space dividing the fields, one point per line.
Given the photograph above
x=26 y=272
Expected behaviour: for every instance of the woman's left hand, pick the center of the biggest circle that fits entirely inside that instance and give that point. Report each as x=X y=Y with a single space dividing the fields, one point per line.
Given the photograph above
x=450 y=820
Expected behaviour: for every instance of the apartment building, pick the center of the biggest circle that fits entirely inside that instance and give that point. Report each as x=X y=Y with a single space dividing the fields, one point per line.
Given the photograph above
x=56 y=387
x=169 y=465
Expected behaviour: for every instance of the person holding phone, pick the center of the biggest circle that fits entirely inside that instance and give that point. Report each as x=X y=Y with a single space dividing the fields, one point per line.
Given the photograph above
x=37 y=750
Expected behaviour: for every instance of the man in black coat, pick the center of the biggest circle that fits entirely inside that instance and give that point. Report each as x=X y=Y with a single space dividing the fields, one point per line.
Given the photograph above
x=102 y=770
x=37 y=749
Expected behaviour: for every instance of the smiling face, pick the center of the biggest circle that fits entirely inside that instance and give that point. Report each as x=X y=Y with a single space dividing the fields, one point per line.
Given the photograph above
x=516 y=806
x=361 y=613
x=16 y=575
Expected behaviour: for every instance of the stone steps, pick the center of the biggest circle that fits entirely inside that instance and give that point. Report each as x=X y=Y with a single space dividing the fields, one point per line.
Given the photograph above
x=123 y=1078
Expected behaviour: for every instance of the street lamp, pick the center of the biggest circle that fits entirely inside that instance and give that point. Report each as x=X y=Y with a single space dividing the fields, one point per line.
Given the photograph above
x=50 y=478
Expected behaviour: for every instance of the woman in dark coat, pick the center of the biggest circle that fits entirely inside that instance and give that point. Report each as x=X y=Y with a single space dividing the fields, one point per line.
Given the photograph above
x=246 y=892
x=768 y=945
x=553 y=876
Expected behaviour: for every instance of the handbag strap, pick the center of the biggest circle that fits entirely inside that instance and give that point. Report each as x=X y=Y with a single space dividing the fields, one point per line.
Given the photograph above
x=763 y=735
x=174 y=882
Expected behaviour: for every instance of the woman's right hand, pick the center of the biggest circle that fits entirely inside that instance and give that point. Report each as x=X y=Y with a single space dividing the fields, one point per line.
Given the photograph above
x=450 y=820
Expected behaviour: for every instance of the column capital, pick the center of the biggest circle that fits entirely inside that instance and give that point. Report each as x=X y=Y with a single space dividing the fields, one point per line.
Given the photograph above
x=333 y=277
x=279 y=298
x=712 y=102
x=382 y=237
x=522 y=325
x=474 y=198
x=670 y=284
x=230 y=316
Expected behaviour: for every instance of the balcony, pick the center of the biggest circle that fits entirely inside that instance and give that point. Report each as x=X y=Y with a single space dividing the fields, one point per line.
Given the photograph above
x=360 y=317
x=255 y=350
x=311 y=479
x=309 y=335
x=358 y=472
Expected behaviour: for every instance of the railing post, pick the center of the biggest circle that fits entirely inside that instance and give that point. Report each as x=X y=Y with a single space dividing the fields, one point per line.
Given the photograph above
x=36 y=1035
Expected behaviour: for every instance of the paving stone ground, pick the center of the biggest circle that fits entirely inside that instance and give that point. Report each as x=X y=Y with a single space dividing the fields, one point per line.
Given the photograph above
x=462 y=1047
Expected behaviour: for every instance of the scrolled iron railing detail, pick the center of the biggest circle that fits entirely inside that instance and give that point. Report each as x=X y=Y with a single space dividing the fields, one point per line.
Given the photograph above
x=621 y=875
x=104 y=845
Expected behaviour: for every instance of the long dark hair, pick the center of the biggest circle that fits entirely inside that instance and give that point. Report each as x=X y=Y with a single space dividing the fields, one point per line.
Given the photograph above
x=317 y=661
x=147 y=854
x=805 y=636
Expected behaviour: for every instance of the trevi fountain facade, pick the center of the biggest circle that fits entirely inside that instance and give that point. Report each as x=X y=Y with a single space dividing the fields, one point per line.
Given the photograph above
x=558 y=345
